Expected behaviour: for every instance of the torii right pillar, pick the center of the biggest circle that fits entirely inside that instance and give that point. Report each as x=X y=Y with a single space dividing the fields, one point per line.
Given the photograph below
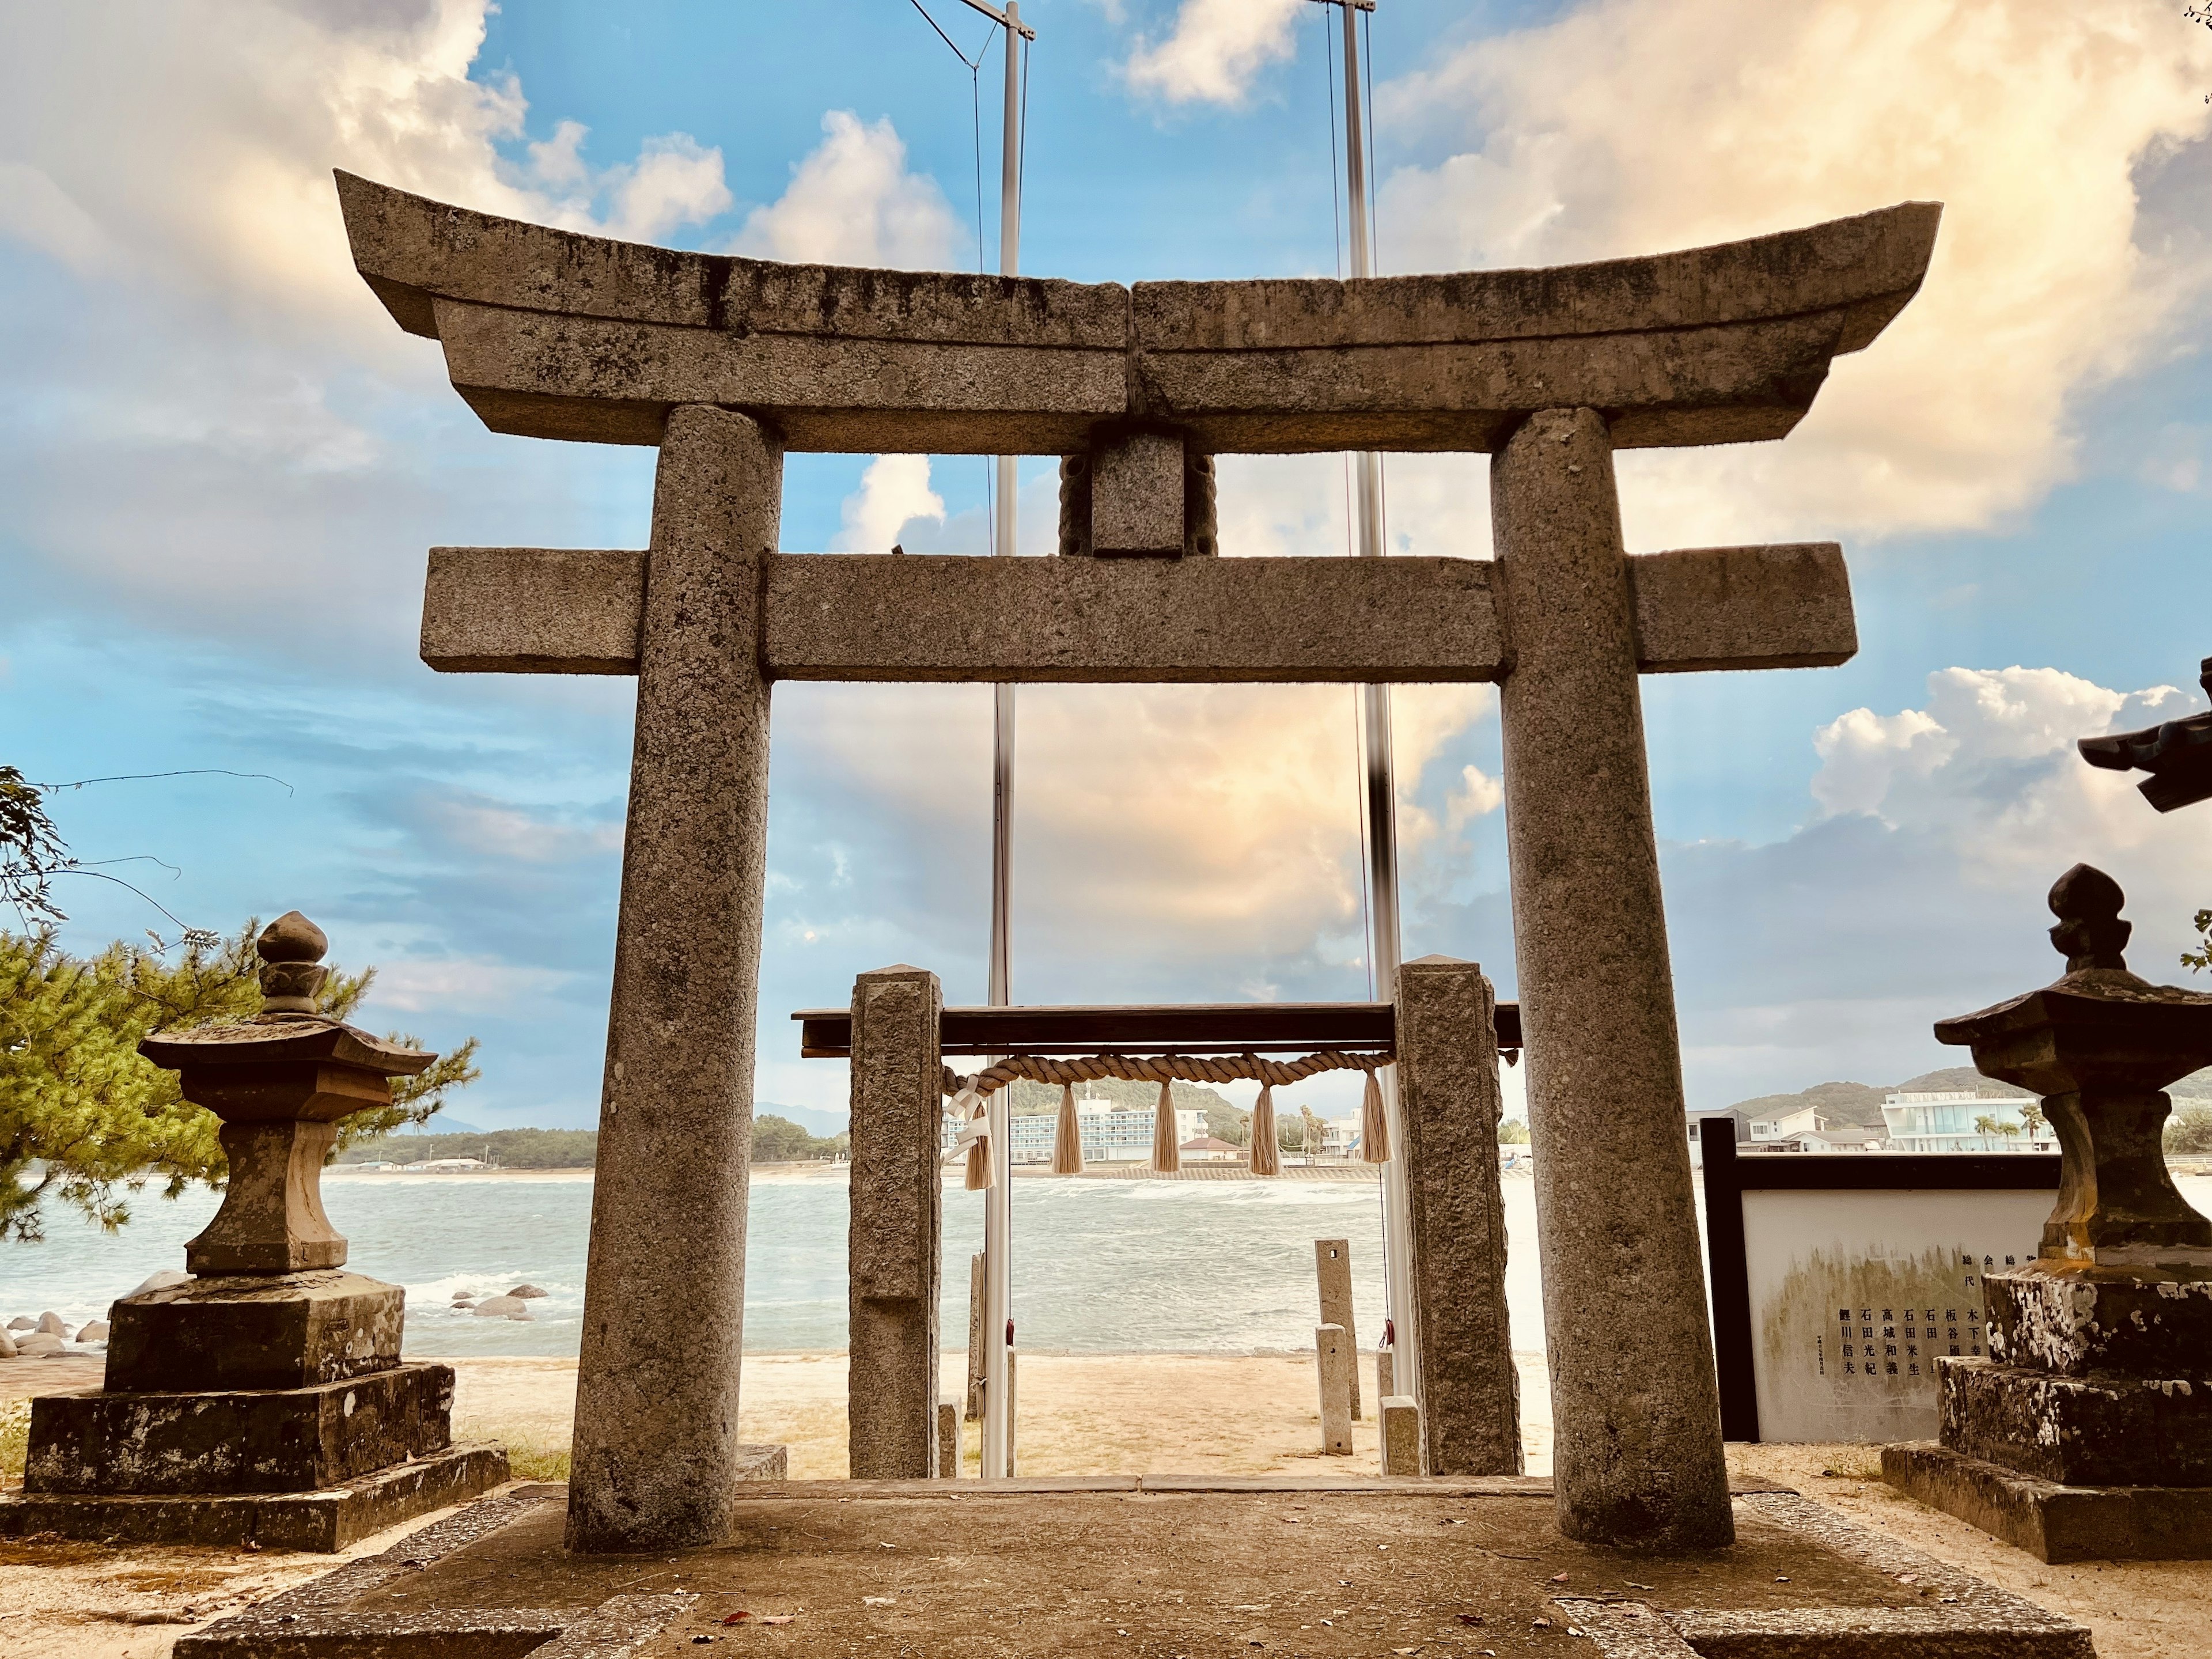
x=1636 y=1453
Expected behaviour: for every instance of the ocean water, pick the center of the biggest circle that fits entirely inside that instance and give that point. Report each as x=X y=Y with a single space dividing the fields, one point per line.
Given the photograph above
x=1101 y=1267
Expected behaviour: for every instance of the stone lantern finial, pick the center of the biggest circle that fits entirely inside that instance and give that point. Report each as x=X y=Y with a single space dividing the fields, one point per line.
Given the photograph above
x=2089 y=934
x=291 y=951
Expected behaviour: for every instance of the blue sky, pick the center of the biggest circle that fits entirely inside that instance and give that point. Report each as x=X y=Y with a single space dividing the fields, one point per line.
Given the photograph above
x=220 y=465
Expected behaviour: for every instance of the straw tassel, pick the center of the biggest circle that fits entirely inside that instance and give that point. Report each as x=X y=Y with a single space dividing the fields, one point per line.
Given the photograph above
x=1374 y=1128
x=1167 y=1145
x=1067 y=1137
x=981 y=1173
x=1266 y=1150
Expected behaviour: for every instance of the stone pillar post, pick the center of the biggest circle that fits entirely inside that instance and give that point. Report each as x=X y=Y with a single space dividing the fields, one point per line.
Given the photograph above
x=895 y=1242
x=656 y=1455
x=1448 y=1113
x=1637 y=1410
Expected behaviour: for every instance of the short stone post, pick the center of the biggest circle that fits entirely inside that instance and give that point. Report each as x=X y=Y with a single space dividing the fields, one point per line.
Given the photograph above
x=657 y=1461
x=262 y=1402
x=1146 y=494
x=948 y=1440
x=1386 y=1371
x=1402 y=1435
x=2088 y=1430
x=1334 y=1363
x=1447 y=1111
x=895 y=1241
x=1332 y=1271
x=1638 y=1459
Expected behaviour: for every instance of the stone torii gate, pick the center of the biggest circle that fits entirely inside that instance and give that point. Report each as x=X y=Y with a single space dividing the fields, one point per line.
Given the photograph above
x=726 y=363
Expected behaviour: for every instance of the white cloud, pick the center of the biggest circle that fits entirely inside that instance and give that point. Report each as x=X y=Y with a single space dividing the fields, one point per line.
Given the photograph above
x=2048 y=127
x=894 y=489
x=1918 y=890
x=852 y=201
x=1215 y=50
x=459 y=984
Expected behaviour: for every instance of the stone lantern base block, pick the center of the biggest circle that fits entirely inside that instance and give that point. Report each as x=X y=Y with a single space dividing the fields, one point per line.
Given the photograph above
x=273 y=1441
x=255 y=1332
x=2052 y=1522
x=2150 y=1322
x=317 y=1522
x=2079 y=1431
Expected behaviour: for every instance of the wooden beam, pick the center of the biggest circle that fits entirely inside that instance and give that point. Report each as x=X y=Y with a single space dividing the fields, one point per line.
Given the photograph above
x=1227 y=1027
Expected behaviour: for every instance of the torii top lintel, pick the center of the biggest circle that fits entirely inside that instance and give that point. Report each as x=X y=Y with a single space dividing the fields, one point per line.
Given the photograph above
x=551 y=334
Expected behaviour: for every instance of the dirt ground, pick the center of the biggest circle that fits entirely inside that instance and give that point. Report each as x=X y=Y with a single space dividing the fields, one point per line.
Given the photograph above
x=1081 y=1414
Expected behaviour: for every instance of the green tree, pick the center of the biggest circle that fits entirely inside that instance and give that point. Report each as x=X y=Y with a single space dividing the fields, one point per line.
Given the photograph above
x=779 y=1140
x=1512 y=1132
x=31 y=850
x=2189 y=1130
x=82 y=1115
x=1989 y=1124
x=2201 y=957
x=2031 y=1113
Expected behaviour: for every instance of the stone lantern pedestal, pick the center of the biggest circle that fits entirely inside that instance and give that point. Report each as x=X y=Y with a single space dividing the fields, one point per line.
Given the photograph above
x=2088 y=1432
x=263 y=1400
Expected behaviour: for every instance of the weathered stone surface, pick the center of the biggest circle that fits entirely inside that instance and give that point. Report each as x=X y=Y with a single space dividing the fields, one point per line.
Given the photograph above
x=1400 y=1438
x=552 y=334
x=1784 y=606
x=2052 y=1522
x=1448 y=1112
x=1638 y=1457
x=1333 y=1278
x=278 y=1440
x=253 y=1331
x=51 y=1324
x=94 y=1331
x=656 y=1444
x=879 y=616
x=1335 y=1364
x=532 y=611
x=948 y=1440
x=1136 y=496
x=279 y=1083
x=501 y=1307
x=2078 y=1430
x=2076 y=1321
x=540 y=375
x=895 y=1236
x=313 y=1520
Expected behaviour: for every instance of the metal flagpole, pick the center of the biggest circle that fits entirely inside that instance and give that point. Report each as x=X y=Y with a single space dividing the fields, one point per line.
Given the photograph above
x=1381 y=799
x=998 y=1198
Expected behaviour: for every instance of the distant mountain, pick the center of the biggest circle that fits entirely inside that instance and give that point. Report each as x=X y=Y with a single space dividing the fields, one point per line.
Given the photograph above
x=1860 y=1103
x=440 y=1124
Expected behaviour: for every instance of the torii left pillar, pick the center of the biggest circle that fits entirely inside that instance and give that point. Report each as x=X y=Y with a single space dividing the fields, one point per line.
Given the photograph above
x=656 y=1458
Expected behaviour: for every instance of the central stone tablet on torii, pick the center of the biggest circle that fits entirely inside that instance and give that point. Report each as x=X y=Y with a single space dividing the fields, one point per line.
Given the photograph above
x=726 y=363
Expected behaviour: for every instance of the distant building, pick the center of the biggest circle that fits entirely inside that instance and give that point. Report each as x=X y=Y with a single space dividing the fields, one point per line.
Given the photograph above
x=1109 y=1136
x=1697 y=1133
x=444 y=1165
x=1206 y=1149
x=1947 y=1121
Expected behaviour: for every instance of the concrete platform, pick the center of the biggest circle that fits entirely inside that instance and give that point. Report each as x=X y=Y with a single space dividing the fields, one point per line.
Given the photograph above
x=322 y=1521
x=1143 y=1568
x=2054 y=1522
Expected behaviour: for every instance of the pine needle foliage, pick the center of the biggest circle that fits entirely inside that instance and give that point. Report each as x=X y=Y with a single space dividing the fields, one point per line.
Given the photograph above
x=85 y=1121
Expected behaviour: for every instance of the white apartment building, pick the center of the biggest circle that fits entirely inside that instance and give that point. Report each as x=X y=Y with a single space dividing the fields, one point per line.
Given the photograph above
x=1944 y=1120
x=1109 y=1136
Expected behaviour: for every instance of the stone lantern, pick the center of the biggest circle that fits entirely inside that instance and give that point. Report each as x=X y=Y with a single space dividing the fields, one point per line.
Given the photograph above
x=2088 y=1432
x=263 y=1399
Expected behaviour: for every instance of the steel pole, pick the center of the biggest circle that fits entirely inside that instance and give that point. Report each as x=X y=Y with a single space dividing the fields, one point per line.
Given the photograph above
x=1380 y=796
x=998 y=1199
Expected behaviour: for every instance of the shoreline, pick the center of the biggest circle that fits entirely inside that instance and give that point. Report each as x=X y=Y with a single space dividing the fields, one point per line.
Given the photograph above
x=840 y=1173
